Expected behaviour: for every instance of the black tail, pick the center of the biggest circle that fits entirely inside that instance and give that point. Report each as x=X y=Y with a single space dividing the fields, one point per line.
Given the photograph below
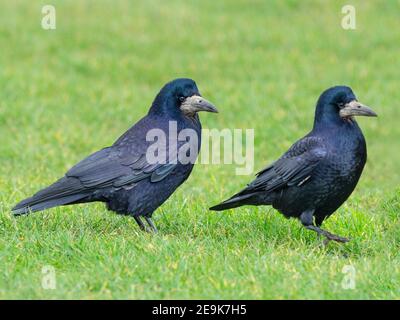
x=64 y=191
x=238 y=200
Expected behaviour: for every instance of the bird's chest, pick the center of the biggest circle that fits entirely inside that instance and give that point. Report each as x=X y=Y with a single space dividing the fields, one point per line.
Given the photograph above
x=347 y=159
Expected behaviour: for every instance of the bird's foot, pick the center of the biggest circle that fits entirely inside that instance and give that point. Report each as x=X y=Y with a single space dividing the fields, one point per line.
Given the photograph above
x=333 y=237
x=328 y=236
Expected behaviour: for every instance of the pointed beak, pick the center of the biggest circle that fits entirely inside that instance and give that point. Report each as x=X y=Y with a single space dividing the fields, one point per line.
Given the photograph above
x=195 y=103
x=355 y=108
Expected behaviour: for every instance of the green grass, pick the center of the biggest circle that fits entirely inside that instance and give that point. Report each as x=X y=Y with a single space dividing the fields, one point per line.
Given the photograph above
x=69 y=92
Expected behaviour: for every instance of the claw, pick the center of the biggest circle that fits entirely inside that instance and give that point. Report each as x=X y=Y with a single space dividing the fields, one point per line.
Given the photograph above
x=337 y=238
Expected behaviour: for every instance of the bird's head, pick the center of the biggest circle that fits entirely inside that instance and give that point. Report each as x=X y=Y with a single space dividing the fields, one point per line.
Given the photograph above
x=181 y=96
x=338 y=104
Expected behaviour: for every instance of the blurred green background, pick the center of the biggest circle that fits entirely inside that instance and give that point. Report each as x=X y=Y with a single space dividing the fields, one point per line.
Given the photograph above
x=67 y=92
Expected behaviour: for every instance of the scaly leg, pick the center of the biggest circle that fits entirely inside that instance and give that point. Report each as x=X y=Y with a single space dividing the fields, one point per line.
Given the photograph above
x=151 y=224
x=140 y=223
x=307 y=218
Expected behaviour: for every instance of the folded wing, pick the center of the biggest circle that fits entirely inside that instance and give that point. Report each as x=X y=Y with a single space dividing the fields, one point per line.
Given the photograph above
x=295 y=167
x=110 y=167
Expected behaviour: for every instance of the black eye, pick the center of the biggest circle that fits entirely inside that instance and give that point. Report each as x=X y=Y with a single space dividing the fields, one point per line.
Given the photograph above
x=341 y=105
x=181 y=98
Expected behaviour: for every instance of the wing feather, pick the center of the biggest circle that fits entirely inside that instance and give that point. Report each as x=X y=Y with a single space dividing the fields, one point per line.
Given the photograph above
x=294 y=167
x=111 y=167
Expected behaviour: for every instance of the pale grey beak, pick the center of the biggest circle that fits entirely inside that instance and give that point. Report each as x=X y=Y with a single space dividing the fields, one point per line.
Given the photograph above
x=194 y=104
x=355 y=108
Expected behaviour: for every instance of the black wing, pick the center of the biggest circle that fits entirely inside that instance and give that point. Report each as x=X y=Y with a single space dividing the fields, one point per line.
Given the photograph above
x=110 y=167
x=295 y=167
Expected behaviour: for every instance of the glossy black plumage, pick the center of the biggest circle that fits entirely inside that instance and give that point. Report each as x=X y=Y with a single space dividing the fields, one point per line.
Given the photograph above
x=320 y=171
x=121 y=175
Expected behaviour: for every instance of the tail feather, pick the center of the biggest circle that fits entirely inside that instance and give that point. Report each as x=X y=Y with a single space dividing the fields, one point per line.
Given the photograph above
x=246 y=197
x=19 y=210
x=64 y=191
x=237 y=200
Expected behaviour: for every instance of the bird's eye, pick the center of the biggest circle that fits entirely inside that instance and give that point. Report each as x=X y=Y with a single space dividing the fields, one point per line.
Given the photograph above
x=341 y=105
x=181 y=98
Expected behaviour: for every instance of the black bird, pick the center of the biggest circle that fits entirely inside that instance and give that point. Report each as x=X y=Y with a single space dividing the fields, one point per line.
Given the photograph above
x=124 y=176
x=320 y=171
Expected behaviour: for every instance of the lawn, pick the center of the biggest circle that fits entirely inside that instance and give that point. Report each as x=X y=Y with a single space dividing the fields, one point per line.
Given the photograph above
x=67 y=92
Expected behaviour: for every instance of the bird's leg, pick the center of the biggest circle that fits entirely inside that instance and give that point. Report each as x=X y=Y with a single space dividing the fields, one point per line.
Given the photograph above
x=329 y=236
x=307 y=218
x=151 y=224
x=140 y=223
